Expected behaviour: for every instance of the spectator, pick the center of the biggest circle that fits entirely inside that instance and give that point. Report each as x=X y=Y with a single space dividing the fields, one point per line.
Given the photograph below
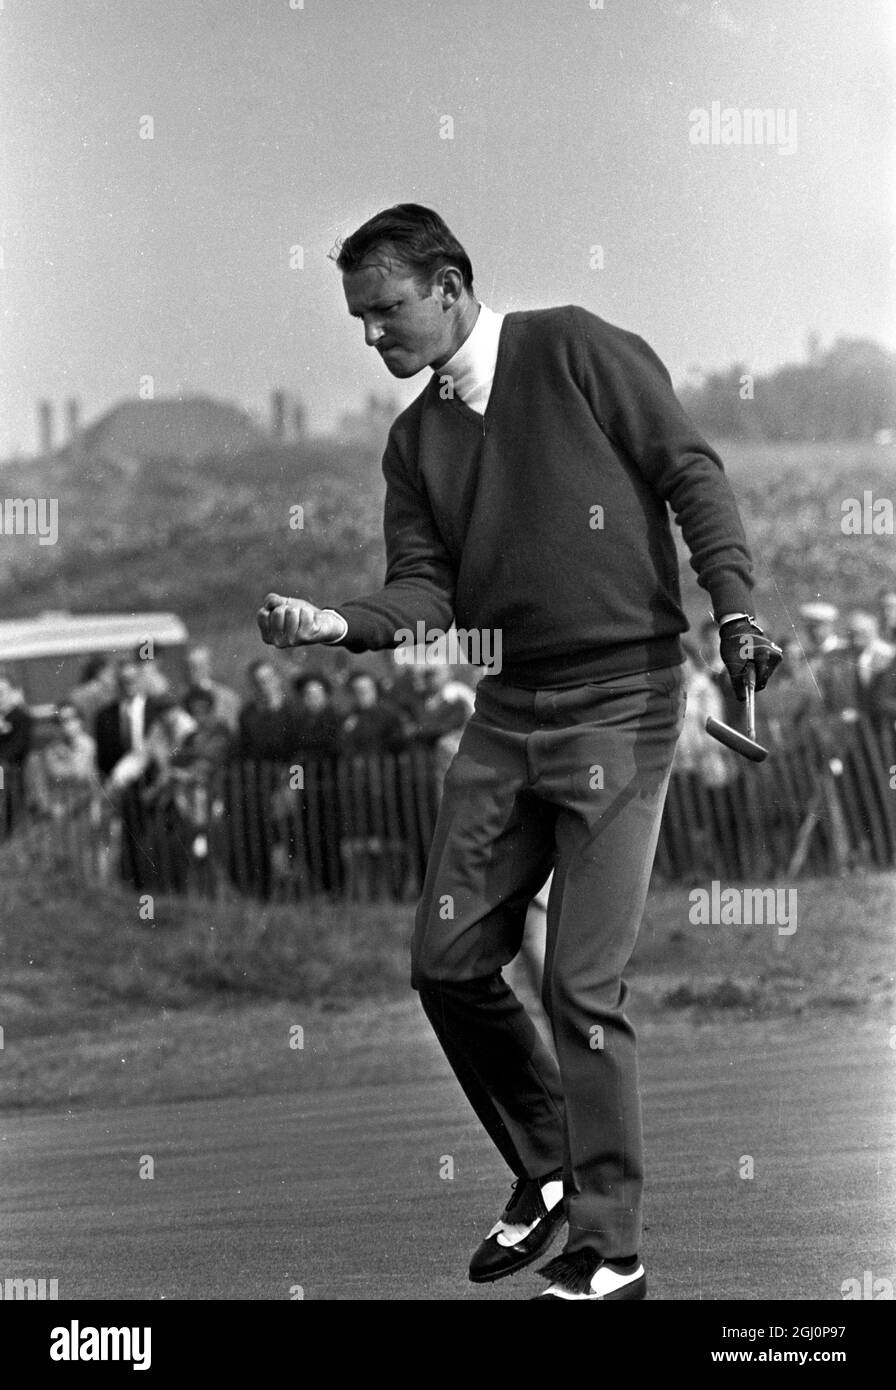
x=871 y=653
x=886 y=603
x=318 y=721
x=408 y=694
x=95 y=689
x=124 y=754
x=443 y=718
x=847 y=674
x=64 y=773
x=122 y=726
x=188 y=799
x=821 y=639
x=788 y=699
x=882 y=696
x=707 y=658
x=372 y=726
x=166 y=785
x=697 y=753
x=226 y=702
x=154 y=679
x=699 y=836
x=212 y=740
x=15 y=745
x=373 y=843
x=149 y=764
x=169 y=744
x=268 y=726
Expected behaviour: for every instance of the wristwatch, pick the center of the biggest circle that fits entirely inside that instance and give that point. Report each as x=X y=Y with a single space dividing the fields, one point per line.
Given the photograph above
x=730 y=617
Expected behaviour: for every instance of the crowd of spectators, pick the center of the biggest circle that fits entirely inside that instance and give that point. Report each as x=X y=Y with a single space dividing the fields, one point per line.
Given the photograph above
x=126 y=736
x=838 y=675
x=123 y=722
x=837 y=669
x=125 y=729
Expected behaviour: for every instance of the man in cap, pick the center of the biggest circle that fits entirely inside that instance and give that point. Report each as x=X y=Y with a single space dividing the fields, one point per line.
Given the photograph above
x=819 y=619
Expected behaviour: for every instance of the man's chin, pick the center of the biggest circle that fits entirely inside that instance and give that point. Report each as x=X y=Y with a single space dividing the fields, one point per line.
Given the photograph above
x=401 y=367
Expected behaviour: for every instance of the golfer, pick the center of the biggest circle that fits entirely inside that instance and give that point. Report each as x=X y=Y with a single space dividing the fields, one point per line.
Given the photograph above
x=528 y=495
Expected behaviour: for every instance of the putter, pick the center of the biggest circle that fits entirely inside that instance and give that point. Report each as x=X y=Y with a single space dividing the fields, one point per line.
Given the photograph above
x=745 y=744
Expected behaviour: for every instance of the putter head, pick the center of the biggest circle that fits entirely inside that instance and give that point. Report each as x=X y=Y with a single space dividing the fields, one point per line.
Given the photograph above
x=736 y=741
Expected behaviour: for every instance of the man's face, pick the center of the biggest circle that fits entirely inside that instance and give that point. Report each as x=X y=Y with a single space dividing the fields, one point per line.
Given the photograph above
x=364 y=692
x=860 y=633
x=314 y=697
x=888 y=609
x=819 y=632
x=202 y=711
x=198 y=665
x=128 y=681
x=409 y=331
x=267 y=685
x=70 y=723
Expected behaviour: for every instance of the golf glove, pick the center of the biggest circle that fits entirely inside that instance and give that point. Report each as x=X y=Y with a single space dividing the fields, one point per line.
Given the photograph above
x=741 y=640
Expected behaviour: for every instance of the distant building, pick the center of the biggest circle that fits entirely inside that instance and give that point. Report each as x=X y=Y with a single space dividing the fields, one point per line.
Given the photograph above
x=169 y=428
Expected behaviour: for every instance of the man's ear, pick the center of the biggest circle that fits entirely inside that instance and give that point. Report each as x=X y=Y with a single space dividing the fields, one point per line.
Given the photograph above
x=449 y=285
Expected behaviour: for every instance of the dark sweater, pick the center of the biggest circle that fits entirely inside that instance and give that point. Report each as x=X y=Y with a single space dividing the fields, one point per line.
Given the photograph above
x=488 y=518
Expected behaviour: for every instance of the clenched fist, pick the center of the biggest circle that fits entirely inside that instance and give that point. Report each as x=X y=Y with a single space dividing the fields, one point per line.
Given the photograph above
x=294 y=622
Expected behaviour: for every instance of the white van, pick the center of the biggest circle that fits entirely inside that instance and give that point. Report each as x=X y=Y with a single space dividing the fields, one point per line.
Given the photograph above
x=45 y=656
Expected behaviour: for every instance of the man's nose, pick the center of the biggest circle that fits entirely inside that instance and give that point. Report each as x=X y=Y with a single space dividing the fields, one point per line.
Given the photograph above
x=372 y=332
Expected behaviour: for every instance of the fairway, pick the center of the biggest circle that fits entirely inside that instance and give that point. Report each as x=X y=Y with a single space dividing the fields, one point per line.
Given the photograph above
x=335 y=1191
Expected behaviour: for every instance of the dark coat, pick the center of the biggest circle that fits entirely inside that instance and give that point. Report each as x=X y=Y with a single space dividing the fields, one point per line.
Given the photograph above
x=111 y=743
x=15 y=736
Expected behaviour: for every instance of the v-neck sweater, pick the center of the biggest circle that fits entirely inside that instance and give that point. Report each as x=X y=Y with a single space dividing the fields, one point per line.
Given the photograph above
x=546 y=519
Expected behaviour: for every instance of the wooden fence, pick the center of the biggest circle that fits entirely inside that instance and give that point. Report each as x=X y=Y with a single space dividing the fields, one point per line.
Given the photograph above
x=359 y=827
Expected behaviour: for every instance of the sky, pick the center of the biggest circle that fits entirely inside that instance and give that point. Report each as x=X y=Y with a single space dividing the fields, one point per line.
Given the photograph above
x=558 y=138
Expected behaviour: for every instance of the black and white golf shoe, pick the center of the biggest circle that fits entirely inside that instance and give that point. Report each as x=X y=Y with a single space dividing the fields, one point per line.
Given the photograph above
x=584 y=1276
x=525 y=1229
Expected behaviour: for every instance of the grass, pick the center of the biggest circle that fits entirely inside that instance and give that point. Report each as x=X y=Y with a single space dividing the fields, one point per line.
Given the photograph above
x=841 y=954
x=99 y=1007
x=74 y=952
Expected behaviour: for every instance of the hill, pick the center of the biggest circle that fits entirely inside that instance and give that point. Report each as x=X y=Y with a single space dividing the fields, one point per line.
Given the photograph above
x=208 y=540
x=168 y=428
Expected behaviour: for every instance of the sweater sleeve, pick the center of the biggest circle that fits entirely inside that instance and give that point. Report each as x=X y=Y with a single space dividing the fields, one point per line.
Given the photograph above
x=420 y=575
x=635 y=405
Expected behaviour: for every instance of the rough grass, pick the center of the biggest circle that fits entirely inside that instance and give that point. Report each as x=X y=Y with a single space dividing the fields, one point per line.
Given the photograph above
x=72 y=951
x=840 y=955
x=99 y=1007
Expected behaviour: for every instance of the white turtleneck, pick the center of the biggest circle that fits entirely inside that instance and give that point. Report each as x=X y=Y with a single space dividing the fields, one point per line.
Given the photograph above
x=472 y=368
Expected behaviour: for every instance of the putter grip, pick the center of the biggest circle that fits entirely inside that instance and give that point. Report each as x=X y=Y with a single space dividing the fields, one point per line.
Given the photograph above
x=750 y=692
